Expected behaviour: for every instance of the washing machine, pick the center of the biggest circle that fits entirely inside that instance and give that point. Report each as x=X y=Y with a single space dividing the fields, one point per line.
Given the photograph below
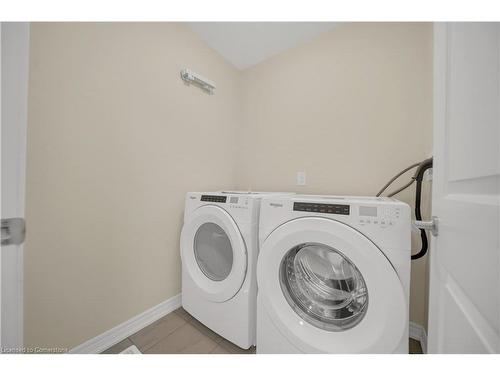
x=219 y=248
x=333 y=275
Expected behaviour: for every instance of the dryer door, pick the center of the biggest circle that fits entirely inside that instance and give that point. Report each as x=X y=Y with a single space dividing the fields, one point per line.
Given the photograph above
x=329 y=289
x=213 y=253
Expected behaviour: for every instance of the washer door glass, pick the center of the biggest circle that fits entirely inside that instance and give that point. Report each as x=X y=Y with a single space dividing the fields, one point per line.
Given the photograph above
x=213 y=251
x=323 y=286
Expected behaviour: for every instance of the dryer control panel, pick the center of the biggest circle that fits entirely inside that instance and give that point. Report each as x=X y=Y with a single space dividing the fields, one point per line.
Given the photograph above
x=214 y=198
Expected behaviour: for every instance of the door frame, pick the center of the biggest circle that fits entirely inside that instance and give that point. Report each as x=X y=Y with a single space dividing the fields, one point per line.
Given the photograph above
x=14 y=81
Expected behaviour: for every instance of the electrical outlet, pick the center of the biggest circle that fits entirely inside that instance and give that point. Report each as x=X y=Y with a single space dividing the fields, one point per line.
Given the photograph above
x=301 y=178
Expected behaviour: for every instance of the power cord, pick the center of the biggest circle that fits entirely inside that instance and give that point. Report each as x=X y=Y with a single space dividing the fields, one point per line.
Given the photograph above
x=396 y=177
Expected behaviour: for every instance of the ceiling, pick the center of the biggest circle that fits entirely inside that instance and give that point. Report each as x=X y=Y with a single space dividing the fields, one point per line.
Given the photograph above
x=245 y=44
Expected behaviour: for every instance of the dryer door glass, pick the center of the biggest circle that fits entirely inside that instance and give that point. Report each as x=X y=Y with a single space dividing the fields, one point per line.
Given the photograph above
x=323 y=286
x=213 y=251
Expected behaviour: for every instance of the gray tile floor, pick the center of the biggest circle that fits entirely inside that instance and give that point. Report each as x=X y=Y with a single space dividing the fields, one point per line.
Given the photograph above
x=178 y=332
x=415 y=347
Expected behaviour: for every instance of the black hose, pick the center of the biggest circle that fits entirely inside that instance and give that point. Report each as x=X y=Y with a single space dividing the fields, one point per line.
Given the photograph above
x=426 y=164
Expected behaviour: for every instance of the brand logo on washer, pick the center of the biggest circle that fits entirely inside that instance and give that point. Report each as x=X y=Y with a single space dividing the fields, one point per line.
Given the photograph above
x=275 y=205
x=191 y=197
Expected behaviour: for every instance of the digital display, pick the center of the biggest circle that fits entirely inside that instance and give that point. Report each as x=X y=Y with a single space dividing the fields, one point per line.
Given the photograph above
x=233 y=200
x=367 y=211
x=214 y=198
x=338 y=209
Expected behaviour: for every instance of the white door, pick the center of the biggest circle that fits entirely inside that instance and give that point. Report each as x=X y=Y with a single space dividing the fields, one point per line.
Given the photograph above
x=464 y=315
x=14 y=83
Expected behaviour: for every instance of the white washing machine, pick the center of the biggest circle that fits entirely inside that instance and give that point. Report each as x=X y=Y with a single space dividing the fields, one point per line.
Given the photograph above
x=219 y=248
x=333 y=275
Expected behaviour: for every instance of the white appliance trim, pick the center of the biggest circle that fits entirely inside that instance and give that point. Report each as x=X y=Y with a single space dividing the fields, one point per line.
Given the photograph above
x=417 y=332
x=116 y=334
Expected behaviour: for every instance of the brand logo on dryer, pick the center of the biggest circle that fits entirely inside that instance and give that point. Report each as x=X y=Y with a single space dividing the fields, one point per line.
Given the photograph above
x=276 y=205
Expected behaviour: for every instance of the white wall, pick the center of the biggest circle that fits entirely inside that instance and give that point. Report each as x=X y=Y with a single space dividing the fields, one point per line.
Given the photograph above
x=351 y=109
x=115 y=141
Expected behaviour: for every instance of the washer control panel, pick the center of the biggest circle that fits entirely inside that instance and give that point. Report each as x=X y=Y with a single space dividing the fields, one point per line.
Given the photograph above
x=238 y=202
x=338 y=209
x=380 y=216
x=214 y=198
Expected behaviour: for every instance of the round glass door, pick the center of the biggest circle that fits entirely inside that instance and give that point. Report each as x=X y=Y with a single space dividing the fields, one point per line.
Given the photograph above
x=213 y=251
x=323 y=286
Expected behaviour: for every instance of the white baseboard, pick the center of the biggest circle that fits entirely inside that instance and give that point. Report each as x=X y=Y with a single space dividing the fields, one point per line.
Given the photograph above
x=418 y=333
x=116 y=334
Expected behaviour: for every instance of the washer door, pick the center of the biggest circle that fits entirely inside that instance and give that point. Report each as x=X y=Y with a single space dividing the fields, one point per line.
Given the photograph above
x=213 y=253
x=329 y=289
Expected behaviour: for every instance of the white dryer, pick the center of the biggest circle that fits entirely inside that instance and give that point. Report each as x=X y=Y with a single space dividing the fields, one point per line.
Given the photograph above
x=219 y=248
x=333 y=275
